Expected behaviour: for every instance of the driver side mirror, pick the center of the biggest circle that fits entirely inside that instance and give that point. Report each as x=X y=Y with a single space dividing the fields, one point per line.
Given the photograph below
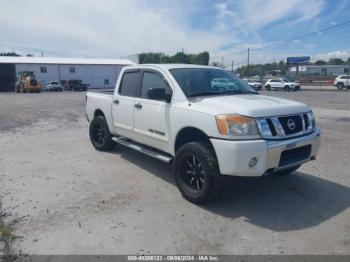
x=159 y=94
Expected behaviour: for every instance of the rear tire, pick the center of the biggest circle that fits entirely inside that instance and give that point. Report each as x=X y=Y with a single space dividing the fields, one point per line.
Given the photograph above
x=268 y=88
x=197 y=172
x=340 y=86
x=100 y=136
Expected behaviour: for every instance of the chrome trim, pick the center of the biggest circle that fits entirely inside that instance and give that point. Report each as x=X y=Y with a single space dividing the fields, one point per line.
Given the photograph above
x=266 y=133
x=264 y=128
x=291 y=165
x=303 y=121
x=147 y=151
x=286 y=143
x=277 y=124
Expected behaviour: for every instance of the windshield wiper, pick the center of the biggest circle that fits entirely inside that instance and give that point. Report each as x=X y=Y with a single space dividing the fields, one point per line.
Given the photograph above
x=223 y=93
x=205 y=94
x=244 y=92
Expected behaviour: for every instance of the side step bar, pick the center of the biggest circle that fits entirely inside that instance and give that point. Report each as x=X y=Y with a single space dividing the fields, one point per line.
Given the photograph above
x=155 y=154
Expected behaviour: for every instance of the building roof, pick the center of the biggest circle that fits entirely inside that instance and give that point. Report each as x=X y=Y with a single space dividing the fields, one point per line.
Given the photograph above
x=59 y=60
x=320 y=66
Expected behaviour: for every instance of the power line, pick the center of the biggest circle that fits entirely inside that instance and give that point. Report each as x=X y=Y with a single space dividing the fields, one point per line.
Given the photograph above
x=290 y=39
x=303 y=36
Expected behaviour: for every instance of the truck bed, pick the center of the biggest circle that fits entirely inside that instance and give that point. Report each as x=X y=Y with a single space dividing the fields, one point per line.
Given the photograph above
x=101 y=101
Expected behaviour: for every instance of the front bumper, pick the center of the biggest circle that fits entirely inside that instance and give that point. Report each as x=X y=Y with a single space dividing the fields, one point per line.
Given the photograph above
x=234 y=156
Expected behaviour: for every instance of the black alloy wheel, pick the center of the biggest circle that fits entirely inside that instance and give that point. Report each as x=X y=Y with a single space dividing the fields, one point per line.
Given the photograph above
x=99 y=134
x=197 y=172
x=192 y=173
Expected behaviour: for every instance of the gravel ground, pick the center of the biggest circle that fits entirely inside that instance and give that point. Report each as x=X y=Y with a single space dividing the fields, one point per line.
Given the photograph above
x=60 y=196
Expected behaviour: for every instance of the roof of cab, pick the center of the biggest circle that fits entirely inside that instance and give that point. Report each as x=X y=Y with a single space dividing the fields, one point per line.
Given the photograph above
x=171 y=66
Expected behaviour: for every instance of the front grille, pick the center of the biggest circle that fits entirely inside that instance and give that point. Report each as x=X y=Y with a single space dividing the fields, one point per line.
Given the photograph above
x=279 y=127
x=291 y=124
x=306 y=121
x=294 y=155
x=271 y=126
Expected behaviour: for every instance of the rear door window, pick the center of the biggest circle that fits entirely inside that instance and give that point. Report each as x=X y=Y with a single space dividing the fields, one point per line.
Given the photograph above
x=130 y=84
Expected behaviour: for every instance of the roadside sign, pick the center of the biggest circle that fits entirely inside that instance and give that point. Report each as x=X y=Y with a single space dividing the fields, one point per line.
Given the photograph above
x=298 y=60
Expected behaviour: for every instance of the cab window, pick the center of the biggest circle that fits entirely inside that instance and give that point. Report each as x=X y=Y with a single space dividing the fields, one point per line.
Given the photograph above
x=130 y=84
x=154 y=87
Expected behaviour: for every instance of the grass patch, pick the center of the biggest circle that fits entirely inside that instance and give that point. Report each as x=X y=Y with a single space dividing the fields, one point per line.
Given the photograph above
x=5 y=232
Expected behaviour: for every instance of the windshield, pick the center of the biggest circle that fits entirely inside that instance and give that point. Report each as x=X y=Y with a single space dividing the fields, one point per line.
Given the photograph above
x=54 y=83
x=208 y=81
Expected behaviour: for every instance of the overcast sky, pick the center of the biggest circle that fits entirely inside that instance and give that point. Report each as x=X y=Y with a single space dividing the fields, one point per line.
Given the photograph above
x=114 y=28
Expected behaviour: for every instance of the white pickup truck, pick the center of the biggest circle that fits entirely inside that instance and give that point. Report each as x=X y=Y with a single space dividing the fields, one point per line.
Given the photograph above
x=176 y=114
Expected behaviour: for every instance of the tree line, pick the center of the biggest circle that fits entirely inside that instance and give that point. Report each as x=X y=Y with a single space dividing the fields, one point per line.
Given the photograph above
x=13 y=54
x=178 y=58
x=9 y=54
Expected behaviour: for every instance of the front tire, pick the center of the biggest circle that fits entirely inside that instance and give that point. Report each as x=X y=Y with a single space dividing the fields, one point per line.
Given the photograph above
x=197 y=172
x=268 y=88
x=100 y=136
x=287 y=88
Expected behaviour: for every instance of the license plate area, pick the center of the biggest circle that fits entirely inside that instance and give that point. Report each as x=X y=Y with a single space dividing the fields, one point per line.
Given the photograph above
x=294 y=155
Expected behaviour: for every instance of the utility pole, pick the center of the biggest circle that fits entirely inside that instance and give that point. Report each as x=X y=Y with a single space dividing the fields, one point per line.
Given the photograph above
x=248 y=63
x=222 y=62
x=232 y=66
x=248 y=57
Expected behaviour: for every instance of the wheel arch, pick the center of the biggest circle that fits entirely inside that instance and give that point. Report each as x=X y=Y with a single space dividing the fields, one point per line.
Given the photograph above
x=99 y=112
x=191 y=134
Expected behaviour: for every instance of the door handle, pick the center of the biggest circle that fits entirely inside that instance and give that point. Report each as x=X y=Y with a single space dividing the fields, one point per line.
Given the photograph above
x=138 y=106
x=116 y=101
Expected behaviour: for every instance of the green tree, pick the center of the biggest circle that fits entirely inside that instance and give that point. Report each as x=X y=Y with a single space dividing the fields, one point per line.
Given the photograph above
x=336 y=61
x=320 y=62
x=9 y=54
x=180 y=57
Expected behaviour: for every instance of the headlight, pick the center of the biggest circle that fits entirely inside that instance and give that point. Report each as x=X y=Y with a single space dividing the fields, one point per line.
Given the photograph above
x=236 y=125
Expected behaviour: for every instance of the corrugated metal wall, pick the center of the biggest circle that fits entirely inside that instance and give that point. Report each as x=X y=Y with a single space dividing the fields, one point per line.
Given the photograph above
x=97 y=76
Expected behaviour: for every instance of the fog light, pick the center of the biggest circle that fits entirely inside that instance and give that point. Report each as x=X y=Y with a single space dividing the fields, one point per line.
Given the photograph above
x=252 y=162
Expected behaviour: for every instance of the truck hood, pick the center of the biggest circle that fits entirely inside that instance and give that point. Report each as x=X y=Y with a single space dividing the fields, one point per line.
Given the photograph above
x=247 y=105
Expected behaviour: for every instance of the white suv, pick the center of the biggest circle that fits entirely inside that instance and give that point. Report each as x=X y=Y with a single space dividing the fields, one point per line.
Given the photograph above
x=342 y=81
x=281 y=83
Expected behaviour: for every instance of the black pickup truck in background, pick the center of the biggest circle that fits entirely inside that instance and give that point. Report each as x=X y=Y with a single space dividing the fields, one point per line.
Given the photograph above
x=75 y=85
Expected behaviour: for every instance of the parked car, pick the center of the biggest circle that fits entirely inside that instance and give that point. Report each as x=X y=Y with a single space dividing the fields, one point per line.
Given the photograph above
x=53 y=86
x=255 y=85
x=174 y=114
x=76 y=85
x=222 y=84
x=342 y=81
x=281 y=83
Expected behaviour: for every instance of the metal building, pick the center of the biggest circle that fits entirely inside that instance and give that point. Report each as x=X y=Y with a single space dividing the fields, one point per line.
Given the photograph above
x=98 y=73
x=320 y=70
